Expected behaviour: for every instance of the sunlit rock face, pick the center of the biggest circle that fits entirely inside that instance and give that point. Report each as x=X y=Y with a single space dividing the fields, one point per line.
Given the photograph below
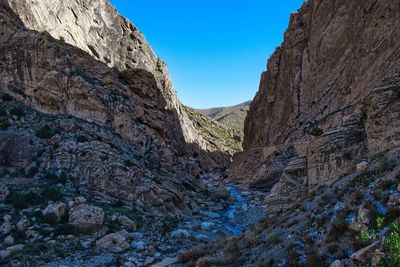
x=94 y=92
x=328 y=95
x=97 y=28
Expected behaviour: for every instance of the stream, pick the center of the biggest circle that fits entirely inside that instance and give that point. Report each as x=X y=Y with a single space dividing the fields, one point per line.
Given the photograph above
x=232 y=220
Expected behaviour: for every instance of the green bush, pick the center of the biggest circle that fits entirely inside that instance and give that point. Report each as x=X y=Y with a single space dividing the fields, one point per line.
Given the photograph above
x=391 y=248
x=17 y=111
x=4 y=125
x=7 y=97
x=46 y=132
x=52 y=193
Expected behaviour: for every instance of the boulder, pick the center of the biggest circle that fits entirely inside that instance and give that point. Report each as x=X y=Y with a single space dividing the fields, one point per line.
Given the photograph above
x=337 y=263
x=127 y=223
x=114 y=243
x=137 y=235
x=9 y=241
x=206 y=225
x=86 y=218
x=362 y=166
x=55 y=212
x=138 y=245
x=5 y=228
x=4 y=254
x=365 y=254
x=23 y=224
x=394 y=200
x=180 y=234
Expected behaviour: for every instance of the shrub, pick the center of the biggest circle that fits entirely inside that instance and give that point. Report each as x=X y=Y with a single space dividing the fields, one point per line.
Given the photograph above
x=46 y=132
x=169 y=224
x=33 y=171
x=7 y=97
x=192 y=255
x=391 y=248
x=18 y=112
x=52 y=193
x=4 y=125
x=2 y=112
x=32 y=198
x=339 y=227
x=128 y=163
x=82 y=139
x=65 y=229
x=117 y=204
x=17 y=200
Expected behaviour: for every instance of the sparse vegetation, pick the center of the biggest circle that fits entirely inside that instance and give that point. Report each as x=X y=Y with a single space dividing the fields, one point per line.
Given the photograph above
x=52 y=193
x=391 y=248
x=46 y=132
x=18 y=112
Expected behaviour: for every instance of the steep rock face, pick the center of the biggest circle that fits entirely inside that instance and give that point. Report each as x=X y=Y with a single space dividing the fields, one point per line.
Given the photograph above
x=97 y=28
x=321 y=92
x=110 y=131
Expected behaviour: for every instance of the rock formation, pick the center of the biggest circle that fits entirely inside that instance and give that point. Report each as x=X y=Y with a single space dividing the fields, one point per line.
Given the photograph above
x=315 y=116
x=117 y=133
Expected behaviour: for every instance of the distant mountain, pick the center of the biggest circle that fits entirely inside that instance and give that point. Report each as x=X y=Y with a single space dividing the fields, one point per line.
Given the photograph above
x=233 y=116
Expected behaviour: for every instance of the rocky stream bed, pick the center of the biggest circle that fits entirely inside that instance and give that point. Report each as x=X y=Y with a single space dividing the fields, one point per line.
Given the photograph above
x=151 y=247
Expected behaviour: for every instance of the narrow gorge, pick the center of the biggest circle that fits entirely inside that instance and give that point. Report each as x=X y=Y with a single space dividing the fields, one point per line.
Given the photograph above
x=102 y=165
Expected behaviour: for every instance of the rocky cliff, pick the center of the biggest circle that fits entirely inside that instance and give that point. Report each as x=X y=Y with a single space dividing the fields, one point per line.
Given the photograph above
x=101 y=114
x=97 y=28
x=314 y=117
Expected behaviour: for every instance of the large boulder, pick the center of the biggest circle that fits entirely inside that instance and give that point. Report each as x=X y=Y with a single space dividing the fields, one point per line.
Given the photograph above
x=86 y=218
x=55 y=212
x=127 y=223
x=115 y=243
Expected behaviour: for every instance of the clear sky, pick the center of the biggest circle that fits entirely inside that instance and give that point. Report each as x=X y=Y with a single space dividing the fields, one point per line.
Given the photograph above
x=215 y=49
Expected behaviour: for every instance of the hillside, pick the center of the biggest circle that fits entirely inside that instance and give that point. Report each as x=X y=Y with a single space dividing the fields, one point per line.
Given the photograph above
x=232 y=117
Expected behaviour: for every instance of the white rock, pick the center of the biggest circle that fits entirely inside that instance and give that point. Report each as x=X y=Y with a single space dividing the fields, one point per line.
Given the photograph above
x=127 y=223
x=5 y=228
x=55 y=211
x=206 y=225
x=23 y=224
x=16 y=248
x=137 y=235
x=362 y=166
x=4 y=254
x=9 y=241
x=7 y=217
x=138 y=245
x=86 y=218
x=179 y=234
x=114 y=243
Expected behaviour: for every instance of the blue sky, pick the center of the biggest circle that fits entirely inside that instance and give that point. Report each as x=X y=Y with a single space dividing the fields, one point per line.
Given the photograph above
x=215 y=49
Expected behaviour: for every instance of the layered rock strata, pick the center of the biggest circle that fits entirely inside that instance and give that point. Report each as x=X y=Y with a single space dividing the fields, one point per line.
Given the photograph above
x=328 y=96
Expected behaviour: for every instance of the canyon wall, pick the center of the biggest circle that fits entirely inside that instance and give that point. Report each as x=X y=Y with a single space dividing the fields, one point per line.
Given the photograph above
x=324 y=103
x=97 y=28
x=98 y=108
